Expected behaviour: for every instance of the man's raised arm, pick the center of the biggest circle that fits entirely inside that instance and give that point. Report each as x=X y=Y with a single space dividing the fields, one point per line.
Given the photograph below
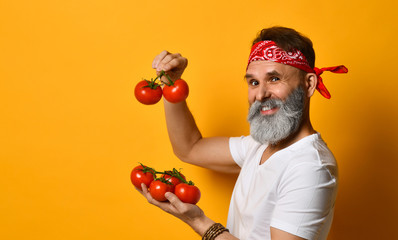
x=185 y=137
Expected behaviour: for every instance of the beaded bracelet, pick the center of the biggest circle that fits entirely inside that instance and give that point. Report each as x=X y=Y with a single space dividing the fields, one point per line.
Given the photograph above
x=215 y=230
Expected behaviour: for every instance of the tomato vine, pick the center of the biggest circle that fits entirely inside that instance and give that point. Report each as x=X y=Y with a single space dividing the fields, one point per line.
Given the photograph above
x=170 y=181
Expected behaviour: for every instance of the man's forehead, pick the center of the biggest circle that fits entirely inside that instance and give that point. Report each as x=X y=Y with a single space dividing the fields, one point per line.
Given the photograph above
x=269 y=67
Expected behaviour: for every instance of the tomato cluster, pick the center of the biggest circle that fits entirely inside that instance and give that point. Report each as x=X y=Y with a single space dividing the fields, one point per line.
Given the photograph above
x=150 y=92
x=169 y=181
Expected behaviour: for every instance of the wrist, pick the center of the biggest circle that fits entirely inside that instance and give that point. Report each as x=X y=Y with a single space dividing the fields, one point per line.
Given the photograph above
x=216 y=231
x=201 y=224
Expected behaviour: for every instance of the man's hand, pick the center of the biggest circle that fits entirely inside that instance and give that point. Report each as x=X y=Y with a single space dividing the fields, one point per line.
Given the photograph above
x=173 y=64
x=184 y=211
x=188 y=213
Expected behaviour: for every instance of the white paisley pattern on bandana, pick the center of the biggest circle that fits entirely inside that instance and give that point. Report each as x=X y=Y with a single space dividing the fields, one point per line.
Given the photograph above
x=269 y=51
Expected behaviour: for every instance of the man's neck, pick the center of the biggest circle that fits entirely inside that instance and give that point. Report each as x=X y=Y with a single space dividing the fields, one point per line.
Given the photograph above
x=305 y=129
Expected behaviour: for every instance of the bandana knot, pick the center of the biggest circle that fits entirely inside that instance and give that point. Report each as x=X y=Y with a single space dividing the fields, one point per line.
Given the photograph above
x=321 y=87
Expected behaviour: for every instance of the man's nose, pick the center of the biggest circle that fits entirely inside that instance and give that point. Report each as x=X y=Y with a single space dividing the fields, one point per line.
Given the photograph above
x=262 y=93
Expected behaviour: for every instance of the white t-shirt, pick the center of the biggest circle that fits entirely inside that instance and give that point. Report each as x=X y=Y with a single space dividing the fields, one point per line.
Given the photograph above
x=294 y=190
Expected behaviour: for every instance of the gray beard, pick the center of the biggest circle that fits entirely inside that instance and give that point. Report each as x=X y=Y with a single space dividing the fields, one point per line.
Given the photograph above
x=274 y=128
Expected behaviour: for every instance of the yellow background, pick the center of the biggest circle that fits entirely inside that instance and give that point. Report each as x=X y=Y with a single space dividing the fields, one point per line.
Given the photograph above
x=71 y=130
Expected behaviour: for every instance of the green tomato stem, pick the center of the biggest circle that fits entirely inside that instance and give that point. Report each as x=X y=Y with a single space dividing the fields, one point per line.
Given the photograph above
x=163 y=73
x=177 y=174
x=190 y=183
x=174 y=173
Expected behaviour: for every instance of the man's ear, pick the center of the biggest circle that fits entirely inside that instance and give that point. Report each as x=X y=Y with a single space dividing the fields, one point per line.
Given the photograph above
x=311 y=81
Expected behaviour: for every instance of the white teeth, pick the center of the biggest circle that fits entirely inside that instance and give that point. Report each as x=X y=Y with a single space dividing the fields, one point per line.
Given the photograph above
x=265 y=108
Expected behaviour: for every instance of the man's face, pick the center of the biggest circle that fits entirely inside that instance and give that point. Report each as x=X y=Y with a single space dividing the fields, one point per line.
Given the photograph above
x=276 y=99
x=268 y=79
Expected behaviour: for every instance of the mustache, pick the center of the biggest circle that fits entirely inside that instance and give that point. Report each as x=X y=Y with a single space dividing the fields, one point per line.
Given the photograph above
x=256 y=107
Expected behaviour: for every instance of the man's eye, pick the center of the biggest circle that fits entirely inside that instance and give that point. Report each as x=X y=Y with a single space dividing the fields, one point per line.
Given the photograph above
x=253 y=82
x=274 y=79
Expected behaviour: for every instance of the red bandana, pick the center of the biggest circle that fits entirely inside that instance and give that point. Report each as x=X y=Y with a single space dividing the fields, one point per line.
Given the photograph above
x=269 y=51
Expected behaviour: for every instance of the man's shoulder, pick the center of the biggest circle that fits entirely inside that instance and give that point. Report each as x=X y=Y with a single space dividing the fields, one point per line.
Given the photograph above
x=313 y=155
x=311 y=150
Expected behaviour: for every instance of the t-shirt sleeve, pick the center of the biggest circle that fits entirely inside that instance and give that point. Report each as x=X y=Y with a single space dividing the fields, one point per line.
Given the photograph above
x=307 y=194
x=238 y=147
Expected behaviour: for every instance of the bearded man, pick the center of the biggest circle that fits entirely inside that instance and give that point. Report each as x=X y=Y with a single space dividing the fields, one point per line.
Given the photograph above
x=288 y=180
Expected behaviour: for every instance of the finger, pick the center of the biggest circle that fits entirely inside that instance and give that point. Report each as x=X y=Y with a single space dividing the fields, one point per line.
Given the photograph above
x=144 y=189
x=166 y=59
x=174 y=64
x=174 y=200
x=159 y=58
x=171 y=61
x=149 y=197
x=145 y=192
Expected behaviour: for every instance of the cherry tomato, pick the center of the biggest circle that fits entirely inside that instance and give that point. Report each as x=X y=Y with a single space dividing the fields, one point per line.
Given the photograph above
x=176 y=92
x=157 y=189
x=148 y=92
x=141 y=174
x=187 y=193
x=173 y=180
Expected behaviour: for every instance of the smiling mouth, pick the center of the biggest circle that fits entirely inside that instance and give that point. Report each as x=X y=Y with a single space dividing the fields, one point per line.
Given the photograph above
x=266 y=110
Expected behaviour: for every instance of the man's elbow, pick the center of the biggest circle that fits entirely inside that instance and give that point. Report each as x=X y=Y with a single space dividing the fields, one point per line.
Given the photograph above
x=187 y=153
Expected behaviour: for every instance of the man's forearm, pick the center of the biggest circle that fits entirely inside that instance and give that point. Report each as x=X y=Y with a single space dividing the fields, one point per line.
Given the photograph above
x=182 y=129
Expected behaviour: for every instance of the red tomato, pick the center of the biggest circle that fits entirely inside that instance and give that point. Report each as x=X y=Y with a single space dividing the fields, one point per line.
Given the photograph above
x=173 y=180
x=148 y=92
x=157 y=189
x=187 y=193
x=141 y=174
x=177 y=92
